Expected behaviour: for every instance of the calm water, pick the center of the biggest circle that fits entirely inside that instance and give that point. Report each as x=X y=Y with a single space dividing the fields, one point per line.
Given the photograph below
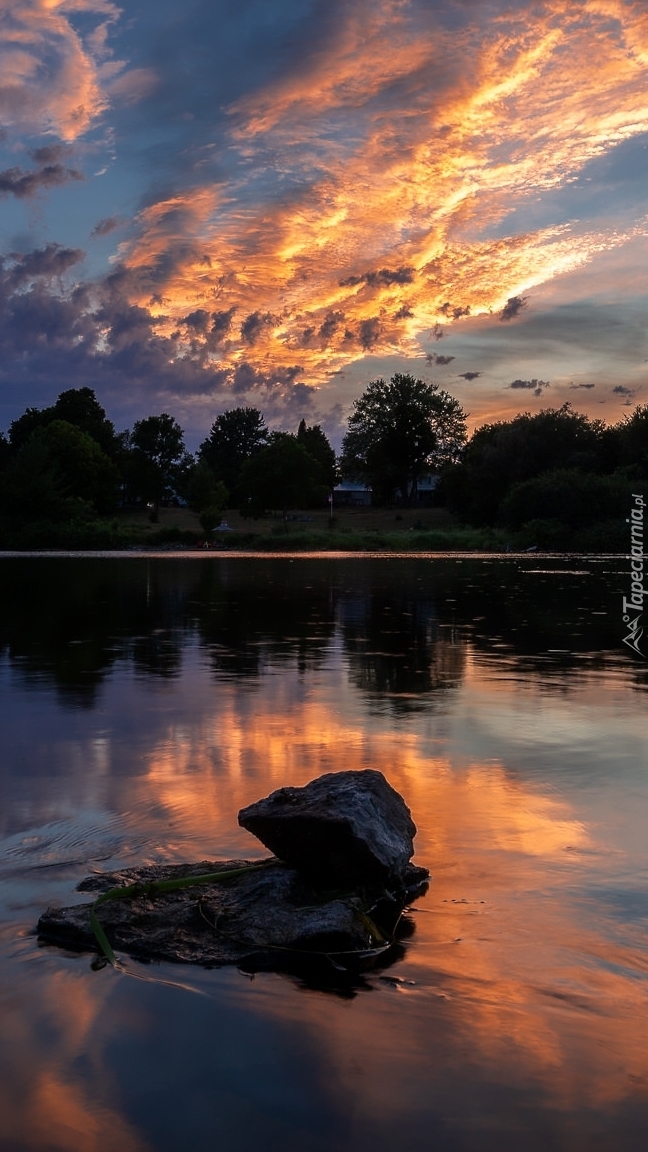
x=145 y=700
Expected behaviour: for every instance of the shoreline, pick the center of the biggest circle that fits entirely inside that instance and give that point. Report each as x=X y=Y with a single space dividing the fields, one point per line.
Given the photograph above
x=148 y=553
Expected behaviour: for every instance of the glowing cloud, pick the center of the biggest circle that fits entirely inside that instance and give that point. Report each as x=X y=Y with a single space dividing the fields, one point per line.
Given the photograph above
x=395 y=178
x=50 y=77
x=396 y=220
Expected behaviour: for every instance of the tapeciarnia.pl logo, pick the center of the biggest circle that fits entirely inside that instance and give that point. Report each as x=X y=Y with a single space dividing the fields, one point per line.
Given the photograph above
x=631 y=616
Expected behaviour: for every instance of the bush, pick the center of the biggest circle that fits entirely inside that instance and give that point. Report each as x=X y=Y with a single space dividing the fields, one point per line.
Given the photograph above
x=574 y=499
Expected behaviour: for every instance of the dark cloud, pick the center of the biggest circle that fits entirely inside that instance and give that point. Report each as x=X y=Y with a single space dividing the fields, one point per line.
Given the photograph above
x=206 y=331
x=469 y=375
x=198 y=320
x=383 y=278
x=434 y=358
x=246 y=378
x=307 y=337
x=513 y=307
x=221 y=323
x=253 y=326
x=582 y=386
x=454 y=311
x=104 y=227
x=437 y=332
x=213 y=327
x=54 y=337
x=369 y=332
x=404 y=313
x=535 y=386
x=628 y=393
x=50 y=154
x=329 y=326
x=21 y=184
x=50 y=262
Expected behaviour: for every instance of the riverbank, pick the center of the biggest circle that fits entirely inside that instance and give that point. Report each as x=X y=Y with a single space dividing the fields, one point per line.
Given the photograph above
x=348 y=530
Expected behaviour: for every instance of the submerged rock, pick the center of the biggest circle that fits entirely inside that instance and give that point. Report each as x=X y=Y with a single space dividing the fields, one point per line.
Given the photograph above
x=342 y=828
x=266 y=914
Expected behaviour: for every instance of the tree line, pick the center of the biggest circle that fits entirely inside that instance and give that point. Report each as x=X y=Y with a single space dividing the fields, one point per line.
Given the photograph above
x=545 y=477
x=554 y=479
x=67 y=464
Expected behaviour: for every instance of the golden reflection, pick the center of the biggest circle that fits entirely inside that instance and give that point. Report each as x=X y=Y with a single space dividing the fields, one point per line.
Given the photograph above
x=43 y=1103
x=204 y=776
x=535 y=983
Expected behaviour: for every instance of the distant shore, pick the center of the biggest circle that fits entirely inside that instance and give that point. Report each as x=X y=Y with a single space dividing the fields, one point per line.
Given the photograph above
x=355 y=530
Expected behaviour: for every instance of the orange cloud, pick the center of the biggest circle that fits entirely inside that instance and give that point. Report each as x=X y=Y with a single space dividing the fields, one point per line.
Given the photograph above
x=51 y=76
x=398 y=234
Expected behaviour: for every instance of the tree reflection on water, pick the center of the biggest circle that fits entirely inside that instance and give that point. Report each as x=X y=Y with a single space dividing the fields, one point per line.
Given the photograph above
x=146 y=700
x=405 y=625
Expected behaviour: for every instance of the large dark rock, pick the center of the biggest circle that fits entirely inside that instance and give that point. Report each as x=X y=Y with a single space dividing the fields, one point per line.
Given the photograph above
x=267 y=915
x=338 y=890
x=342 y=828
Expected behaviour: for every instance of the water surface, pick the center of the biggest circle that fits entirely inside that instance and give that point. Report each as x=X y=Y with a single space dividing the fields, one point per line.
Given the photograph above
x=146 y=699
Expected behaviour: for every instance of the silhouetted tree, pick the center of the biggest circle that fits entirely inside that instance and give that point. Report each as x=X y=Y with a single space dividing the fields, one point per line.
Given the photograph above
x=282 y=475
x=631 y=436
x=505 y=453
x=235 y=437
x=59 y=472
x=158 y=460
x=22 y=428
x=399 y=431
x=315 y=441
x=77 y=406
x=206 y=496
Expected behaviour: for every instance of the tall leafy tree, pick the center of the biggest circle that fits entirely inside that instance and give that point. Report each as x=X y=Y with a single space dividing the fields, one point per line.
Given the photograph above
x=315 y=441
x=158 y=460
x=206 y=496
x=631 y=436
x=511 y=451
x=59 y=472
x=398 y=432
x=22 y=428
x=235 y=436
x=77 y=406
x=282 y=475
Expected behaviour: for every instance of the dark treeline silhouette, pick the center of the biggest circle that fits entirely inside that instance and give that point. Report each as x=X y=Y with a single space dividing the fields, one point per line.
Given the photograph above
x=554 y=479
x=64 y=470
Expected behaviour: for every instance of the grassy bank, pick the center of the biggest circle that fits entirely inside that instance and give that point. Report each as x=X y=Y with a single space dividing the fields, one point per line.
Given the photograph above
x=349 y=530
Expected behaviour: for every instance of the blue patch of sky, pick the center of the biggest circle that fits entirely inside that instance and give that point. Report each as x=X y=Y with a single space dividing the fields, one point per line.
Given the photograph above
x=611 y=184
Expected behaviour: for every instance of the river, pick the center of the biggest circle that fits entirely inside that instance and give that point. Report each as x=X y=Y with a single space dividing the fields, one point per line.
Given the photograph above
x=146 y=699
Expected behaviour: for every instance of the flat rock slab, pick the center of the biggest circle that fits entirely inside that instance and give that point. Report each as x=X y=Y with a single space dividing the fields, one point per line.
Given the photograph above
x=342 y=828
x=268 y=912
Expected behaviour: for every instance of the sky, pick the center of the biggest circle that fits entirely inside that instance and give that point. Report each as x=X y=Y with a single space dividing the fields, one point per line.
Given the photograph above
x=213 y=203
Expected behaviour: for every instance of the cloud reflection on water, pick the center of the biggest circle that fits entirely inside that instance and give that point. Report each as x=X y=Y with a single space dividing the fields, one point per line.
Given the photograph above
x=525 y=1023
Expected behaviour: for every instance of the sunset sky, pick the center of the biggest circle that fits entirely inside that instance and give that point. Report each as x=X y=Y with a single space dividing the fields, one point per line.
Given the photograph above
x=211 y=203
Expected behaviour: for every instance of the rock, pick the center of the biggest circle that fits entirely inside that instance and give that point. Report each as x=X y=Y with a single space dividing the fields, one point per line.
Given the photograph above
x=342 y=828
x=337 y=892
x=267 y=916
